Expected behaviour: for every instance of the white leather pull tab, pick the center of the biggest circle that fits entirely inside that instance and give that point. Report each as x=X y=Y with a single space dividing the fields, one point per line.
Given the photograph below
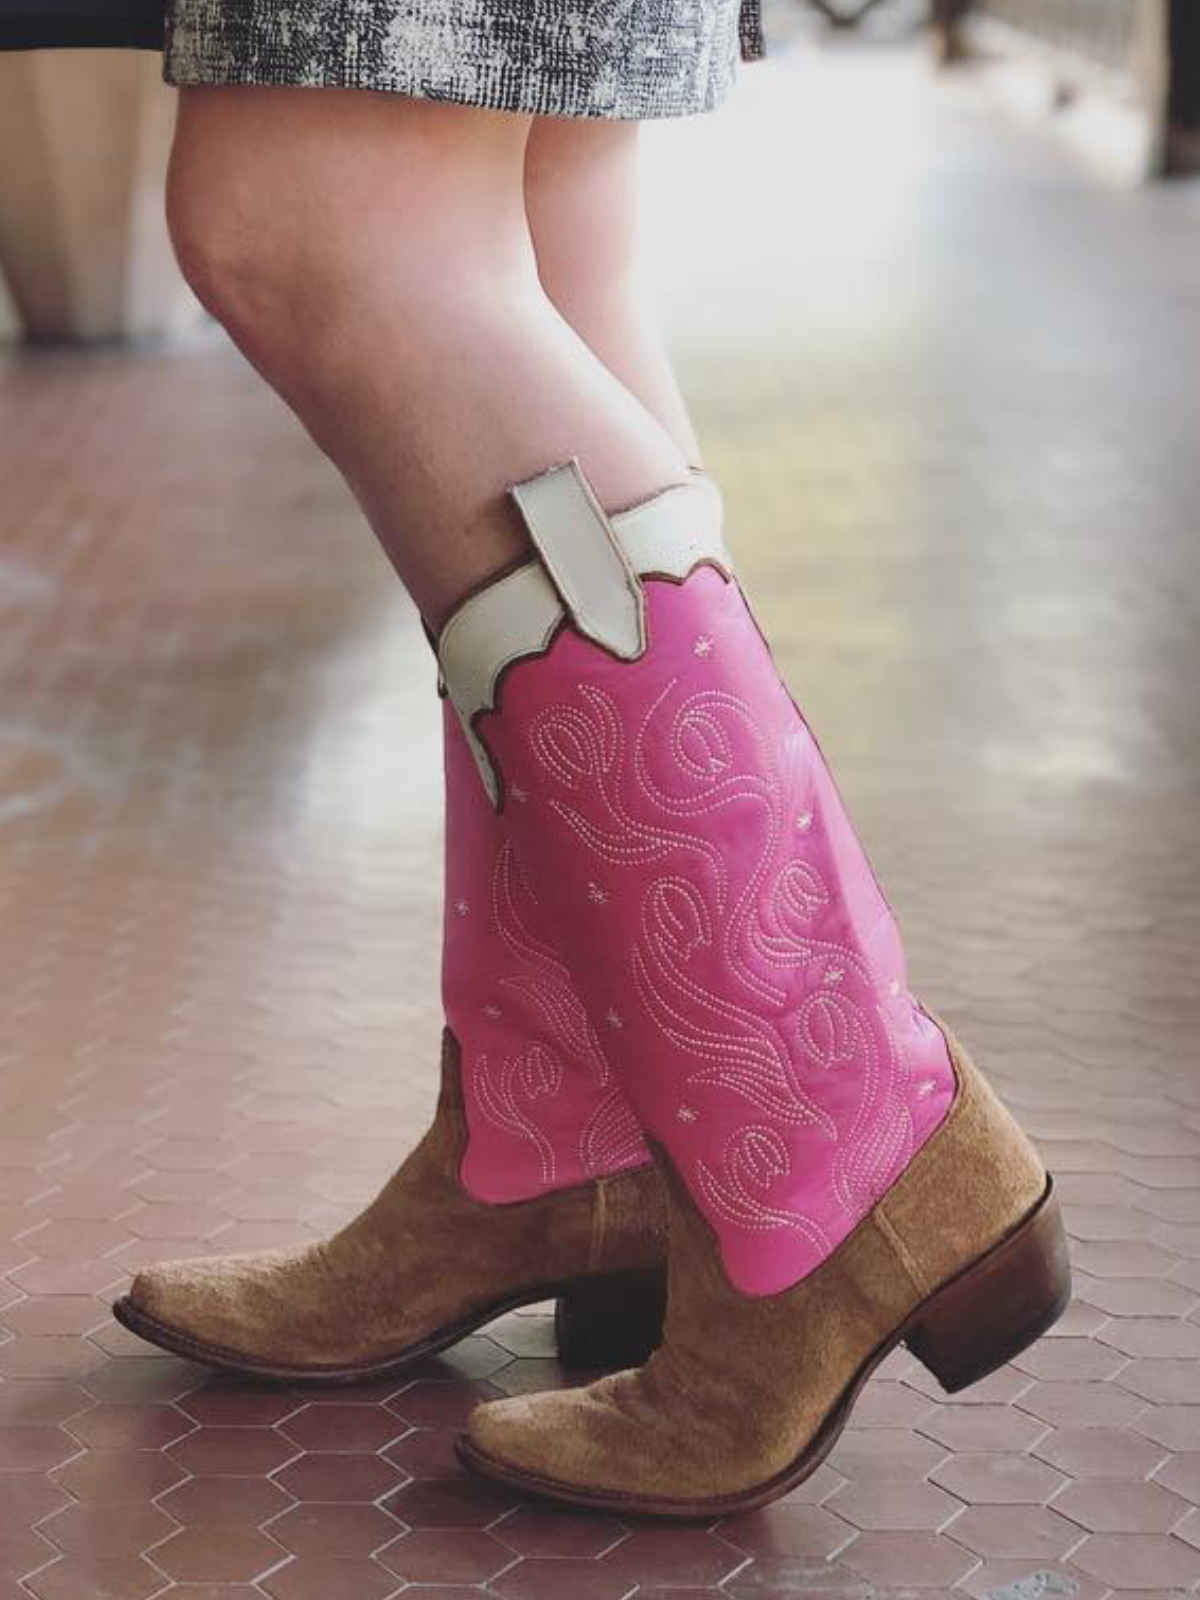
x=584 y=559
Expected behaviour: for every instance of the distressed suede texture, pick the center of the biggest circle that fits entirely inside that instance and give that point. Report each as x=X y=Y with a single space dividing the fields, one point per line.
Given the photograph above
x=424 y=1256
x=742 y=1385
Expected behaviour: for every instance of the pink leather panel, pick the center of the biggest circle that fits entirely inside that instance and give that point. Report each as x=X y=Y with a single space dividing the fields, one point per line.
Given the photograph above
x=543 y=1109
x=693 y=860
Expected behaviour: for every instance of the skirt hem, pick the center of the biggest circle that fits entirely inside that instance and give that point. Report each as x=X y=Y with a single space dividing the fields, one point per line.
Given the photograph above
x=540 y=100
x=532 y=63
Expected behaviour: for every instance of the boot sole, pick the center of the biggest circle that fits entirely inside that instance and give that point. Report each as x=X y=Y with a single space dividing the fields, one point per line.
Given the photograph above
x=991 y=1311
x=628 y=1342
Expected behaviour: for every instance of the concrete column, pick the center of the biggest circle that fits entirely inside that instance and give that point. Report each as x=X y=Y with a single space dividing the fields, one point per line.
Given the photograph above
x=83 y=243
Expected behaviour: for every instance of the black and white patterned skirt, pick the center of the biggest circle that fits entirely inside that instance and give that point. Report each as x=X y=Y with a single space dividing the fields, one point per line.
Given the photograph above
x=628 y=59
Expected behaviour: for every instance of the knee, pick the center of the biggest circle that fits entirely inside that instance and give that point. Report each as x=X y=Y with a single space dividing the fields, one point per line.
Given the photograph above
x=270 y=252
x=287 y=213
x=225 y=240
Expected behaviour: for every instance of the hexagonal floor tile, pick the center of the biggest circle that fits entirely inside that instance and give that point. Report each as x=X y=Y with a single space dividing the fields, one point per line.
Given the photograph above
x=1182 y=1476
x=911 y=1560
x=325 y=1530
x=426 y=1453
x=1100 y=1452
x=333 y=1426
x=225 y=1502
x=785 y=1529
x=877 y=1506
x=76 y=1578
x=431 y=1404
x=538 y=1579
x=136 y=1427
x=995 y=1478
x=118 y=1477
x=459 y=1502
x=427 y=1556
x=982 y=1428
x=1103 y=1507
x=227 y=1555
x=789 y=1578
x=89 y=1531
x=674 y=1556
x=233 y=1452
x=1139 y=1560
x=330 y=1578
x=1032 y=1532
x=350 y=1478
x=559 y=1532
x=881 y=1454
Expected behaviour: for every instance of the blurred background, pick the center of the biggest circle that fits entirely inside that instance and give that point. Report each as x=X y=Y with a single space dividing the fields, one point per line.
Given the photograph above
x=932 y=279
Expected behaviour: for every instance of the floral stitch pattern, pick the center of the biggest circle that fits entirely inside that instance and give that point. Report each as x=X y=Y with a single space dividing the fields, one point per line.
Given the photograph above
x=611 y=1138
x=512 y=1089
x=754 y=1159
x=546 y=980
x=505 y=1089
x=746 y=946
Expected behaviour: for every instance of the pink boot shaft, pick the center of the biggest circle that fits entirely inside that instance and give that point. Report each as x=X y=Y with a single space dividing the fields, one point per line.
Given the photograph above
x=543 y=1109
x=693 y=861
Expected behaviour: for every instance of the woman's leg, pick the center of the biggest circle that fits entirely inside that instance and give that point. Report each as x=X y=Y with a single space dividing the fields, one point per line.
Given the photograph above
x=581 y=196
x=840 y=1177
x=371 y=256
x=683 y=839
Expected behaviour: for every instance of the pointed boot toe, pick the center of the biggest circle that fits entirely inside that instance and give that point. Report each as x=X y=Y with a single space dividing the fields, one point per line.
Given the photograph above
x=575 y=1444
x=424 y=1265
x=247 y=1313
x=548 y=1441
x=516 y=1434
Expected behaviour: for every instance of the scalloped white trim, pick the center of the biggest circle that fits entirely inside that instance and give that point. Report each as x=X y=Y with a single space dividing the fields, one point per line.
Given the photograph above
x=519 y=614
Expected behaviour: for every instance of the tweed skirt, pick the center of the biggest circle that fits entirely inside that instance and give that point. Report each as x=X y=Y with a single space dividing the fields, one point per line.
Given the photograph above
x=625 y=59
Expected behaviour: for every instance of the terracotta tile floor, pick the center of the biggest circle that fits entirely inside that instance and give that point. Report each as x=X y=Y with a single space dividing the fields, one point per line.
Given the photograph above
x=956 y=421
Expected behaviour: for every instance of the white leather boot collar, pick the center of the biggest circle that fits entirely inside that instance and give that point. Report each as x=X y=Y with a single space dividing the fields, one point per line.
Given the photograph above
x=587 y=573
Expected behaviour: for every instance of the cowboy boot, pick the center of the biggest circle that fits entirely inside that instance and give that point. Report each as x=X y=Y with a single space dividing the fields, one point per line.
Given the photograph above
x=533 y=1182
x=841 y=1178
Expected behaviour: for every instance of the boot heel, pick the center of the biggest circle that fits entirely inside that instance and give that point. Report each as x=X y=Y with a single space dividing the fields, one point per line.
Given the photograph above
x=999 y=1306
x=612 y=1322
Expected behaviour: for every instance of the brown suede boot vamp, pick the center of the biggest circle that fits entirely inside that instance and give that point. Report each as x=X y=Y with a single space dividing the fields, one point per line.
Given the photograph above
x=964 y=1259
x=425 y=1264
